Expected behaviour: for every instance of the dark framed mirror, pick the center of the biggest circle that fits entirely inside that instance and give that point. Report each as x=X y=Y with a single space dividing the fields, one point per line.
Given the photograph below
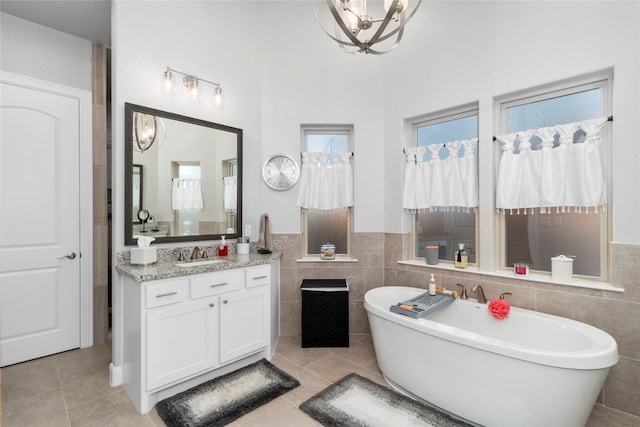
x=192 y=174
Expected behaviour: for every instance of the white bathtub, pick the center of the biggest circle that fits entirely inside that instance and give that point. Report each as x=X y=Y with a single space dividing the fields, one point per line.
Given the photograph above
x=530 y=369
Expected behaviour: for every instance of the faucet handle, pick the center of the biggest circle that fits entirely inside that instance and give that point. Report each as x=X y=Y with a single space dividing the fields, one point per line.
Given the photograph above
x=463 y=292
x=180 y=255
x=502 y=295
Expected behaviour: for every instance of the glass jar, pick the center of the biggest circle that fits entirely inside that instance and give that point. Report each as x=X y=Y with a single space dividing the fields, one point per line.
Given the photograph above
x=461 y=259
x=328 y=251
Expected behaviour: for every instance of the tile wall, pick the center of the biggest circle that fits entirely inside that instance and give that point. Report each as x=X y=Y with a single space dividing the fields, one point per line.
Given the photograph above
x=100 y=208
x=378 y=255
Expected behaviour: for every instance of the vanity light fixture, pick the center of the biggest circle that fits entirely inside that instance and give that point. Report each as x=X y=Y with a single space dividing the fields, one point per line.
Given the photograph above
x=192 y=83
x=356 y=30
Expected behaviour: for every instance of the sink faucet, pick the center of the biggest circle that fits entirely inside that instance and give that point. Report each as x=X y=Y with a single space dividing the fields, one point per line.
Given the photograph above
x=195 y=254
x=477 y=289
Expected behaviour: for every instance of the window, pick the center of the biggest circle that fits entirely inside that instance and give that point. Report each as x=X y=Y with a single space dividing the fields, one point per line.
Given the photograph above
x=536 y=238
x=320 y=227
x=231 y=170
x=447 y=227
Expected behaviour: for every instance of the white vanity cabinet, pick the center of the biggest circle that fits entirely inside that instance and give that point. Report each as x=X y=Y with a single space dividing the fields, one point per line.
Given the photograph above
x=243 y=328
x=182 y=340
x=180 y=332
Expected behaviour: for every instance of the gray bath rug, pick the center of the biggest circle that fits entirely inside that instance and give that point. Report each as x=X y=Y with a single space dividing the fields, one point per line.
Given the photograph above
x=226 y=398
x=357 y=401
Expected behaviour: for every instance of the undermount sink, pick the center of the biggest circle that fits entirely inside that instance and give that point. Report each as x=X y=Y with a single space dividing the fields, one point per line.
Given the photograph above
x=199 y=263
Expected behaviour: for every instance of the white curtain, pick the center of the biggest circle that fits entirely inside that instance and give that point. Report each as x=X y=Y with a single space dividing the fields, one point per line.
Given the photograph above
x=186 y=194
x=441 y=184
x=326 y=181
x=567 y=176
x=230 y=193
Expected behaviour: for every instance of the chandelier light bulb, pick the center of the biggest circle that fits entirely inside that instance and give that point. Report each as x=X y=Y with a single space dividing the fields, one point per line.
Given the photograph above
x=402 y=5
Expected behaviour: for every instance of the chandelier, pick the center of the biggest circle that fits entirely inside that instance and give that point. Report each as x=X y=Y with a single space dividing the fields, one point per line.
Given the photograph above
x=356 y=29
x=148 y=130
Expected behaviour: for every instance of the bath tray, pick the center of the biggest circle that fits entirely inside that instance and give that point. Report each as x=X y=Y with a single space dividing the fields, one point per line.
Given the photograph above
x=422 y=305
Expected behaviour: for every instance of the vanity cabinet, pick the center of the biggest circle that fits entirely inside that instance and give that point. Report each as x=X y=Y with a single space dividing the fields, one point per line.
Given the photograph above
x=182 y=331
x=182 y=340
x=243 y=327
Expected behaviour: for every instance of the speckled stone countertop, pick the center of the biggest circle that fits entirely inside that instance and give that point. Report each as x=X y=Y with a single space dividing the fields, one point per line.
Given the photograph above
x=168 y=269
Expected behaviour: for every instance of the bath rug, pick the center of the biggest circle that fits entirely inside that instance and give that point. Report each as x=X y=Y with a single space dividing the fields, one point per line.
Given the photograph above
x=357 y=401
x=226 y=398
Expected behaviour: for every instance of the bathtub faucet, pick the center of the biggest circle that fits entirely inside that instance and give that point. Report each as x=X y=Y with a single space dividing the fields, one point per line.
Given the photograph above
x=477 y=289
x=463 y=291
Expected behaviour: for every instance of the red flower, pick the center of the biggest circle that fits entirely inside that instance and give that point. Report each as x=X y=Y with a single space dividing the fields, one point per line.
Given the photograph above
x=499 y=308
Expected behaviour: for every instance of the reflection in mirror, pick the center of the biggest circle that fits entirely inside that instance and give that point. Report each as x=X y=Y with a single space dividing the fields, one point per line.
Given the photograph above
x=136 y=195
x=192 y=174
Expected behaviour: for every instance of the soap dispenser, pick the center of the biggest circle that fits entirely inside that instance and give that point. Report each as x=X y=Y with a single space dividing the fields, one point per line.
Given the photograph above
x=432 y=285
x=461 y=259
x=223 y=249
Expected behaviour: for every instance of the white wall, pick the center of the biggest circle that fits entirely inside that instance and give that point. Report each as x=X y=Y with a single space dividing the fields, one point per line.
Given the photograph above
x=280 y=70
x=309 y=80
x=43 y=53
x=217 y=41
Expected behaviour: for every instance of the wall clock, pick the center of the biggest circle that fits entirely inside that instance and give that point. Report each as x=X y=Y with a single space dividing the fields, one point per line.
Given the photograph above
x=280 y=172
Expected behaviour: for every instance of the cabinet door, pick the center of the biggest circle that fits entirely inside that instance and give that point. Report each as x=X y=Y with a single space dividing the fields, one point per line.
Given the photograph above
x=244 y=322
x=181 y=340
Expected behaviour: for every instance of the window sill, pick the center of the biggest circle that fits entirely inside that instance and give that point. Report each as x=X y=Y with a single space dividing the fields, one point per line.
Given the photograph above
x=317 y=259
x=532 y=277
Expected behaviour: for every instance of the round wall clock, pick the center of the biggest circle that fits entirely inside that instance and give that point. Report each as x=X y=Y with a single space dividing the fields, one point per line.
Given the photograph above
x=280 y=172
x=143 y=215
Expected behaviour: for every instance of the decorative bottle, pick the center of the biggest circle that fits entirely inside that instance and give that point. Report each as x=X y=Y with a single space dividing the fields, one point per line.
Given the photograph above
x=461 y=259
x=432 y=285
x=223 y=249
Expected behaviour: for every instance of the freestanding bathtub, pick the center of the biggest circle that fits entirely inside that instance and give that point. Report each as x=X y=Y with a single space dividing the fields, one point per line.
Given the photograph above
x=530 y=369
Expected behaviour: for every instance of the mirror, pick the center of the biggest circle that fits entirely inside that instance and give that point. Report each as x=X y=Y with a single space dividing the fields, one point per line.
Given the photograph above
x=136 y=195
x=192 y=175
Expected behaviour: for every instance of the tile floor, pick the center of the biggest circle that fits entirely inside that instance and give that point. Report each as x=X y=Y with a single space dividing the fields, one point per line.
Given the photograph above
x=72 y=389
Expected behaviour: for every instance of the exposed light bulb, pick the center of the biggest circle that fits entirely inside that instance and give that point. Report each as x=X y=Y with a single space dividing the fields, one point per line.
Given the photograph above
x=194 y=92
x=168 y=81
x=191 y=83
x=352 y=11
x=218 y=96
x=402 y=5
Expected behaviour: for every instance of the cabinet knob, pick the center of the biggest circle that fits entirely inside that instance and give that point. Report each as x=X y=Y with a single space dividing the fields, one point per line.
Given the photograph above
x=225 y=301
x=211 y=304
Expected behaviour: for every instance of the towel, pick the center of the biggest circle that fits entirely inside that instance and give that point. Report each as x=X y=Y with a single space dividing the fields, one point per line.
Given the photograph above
x=264 y=238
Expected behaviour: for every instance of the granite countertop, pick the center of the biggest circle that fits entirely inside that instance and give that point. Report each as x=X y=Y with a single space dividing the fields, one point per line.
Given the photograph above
x=167 y=268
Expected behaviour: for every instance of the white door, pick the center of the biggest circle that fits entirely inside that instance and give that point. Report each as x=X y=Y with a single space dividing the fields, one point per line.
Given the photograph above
x=39 y=223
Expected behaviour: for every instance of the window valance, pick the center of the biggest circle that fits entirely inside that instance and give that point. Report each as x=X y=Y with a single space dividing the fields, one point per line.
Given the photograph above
x=447 y=183
x=186 y=194
x=557 y=167
x=230 y=193
x=326 y=181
